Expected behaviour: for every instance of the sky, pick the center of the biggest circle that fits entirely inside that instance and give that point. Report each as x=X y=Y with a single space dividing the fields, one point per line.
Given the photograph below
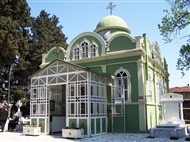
x=141 y=16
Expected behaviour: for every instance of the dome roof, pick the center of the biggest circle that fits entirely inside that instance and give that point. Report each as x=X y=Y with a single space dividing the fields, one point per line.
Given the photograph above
x=110 y=22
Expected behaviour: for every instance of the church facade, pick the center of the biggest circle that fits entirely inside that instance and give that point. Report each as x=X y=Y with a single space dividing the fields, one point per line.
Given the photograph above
x=106 y=81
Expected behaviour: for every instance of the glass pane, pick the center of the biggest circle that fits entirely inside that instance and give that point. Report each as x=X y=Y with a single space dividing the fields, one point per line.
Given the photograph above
x=72 y=90
x=91 y=90
x=82 y=90
x=72 y=108
x=103 y=108
x=125 y=83
x=118 y=109
x=103 y=89
x=97 y=109
x=94 y=108
x=82 y=108
x=126 y=94
x=91 y=108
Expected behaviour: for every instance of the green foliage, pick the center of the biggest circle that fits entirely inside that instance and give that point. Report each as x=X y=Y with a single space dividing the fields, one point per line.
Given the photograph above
x=23 y=40
x=45 y=34
x=183 y=61
x=14 y=23
x=177 y=19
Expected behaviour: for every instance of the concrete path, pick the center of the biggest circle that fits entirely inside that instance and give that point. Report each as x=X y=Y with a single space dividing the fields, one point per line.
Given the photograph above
x=109 y=137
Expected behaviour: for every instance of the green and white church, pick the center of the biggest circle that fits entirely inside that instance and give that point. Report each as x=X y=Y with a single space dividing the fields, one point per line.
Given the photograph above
x=106 y=81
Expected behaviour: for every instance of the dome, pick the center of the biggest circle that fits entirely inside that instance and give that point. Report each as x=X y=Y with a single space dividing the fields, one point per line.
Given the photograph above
x=110 y=22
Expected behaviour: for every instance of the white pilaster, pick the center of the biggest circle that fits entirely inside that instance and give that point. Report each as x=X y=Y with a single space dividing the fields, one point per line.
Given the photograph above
x=89 y=104
x=141 y=82
x=141 y=96
x=67 y=105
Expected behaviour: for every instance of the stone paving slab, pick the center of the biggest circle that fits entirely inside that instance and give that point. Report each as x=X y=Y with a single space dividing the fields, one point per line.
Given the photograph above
x=109 y=137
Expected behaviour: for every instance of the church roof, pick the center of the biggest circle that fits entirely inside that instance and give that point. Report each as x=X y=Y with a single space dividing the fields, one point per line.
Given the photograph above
x=78 y=66
x=112 y=22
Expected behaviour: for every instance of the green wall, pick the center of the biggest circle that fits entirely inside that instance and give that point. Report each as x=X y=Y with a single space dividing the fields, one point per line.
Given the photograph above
x=42 y=124
x=132 y=118
x=118 y=124
x=52 y=56
x=83 y=124
x=121 y=43
x=72 y=123
x=97 y=125
x=92 y=127
x=132 y=68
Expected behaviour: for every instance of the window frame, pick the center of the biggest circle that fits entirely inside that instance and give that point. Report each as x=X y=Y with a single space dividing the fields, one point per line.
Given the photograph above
x=126 y=88
x=84 y=49
x=76 y=53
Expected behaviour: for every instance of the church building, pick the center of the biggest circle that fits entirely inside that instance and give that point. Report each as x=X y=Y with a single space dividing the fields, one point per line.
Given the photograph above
x=106 y=81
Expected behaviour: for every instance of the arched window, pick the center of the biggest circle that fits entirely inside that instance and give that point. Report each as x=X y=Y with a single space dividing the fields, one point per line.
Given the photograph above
x=84 y=46
x=93 y=50
x=76 y=53
x=122 y=80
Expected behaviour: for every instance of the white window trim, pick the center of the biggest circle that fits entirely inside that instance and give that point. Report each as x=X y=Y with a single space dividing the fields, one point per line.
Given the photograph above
x=89 y=50
x=74 y=55
x=128 y=82
x=81 y=48
x=96 y=48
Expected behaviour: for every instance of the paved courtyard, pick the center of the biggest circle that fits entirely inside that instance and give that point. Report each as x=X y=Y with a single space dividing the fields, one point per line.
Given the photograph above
x=109 y=137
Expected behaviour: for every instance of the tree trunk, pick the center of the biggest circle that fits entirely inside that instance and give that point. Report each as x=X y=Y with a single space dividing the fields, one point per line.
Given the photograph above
x=9 y=90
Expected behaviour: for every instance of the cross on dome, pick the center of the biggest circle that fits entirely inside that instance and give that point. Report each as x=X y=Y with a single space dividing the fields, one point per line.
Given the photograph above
x=111 y=7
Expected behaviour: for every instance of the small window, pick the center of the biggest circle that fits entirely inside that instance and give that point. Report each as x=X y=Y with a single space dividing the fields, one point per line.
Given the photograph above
x=84 y=46
x=93 y=50
x=76 y=53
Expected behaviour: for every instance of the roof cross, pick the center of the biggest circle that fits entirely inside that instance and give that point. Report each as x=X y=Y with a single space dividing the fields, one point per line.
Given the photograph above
x=111 y=7
x=57 y=51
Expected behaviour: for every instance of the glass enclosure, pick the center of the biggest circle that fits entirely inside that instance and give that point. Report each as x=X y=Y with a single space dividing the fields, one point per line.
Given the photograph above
x=78 y=99
x=39 y=101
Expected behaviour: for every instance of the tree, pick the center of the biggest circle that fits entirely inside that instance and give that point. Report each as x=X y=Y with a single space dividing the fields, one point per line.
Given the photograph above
x=23 y=39
x=45 y=34
x=14 y=22
x=177 y=19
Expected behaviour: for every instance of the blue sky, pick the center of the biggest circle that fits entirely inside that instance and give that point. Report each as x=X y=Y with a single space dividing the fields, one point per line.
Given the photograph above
x=141 y=16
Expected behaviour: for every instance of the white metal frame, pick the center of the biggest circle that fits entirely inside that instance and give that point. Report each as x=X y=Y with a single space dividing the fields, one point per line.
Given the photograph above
x=118 y=100
x=60 y=72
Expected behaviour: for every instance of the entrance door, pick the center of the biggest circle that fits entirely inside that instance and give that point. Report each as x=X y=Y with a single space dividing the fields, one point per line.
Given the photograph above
x=57 y=108
x=118 y=109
